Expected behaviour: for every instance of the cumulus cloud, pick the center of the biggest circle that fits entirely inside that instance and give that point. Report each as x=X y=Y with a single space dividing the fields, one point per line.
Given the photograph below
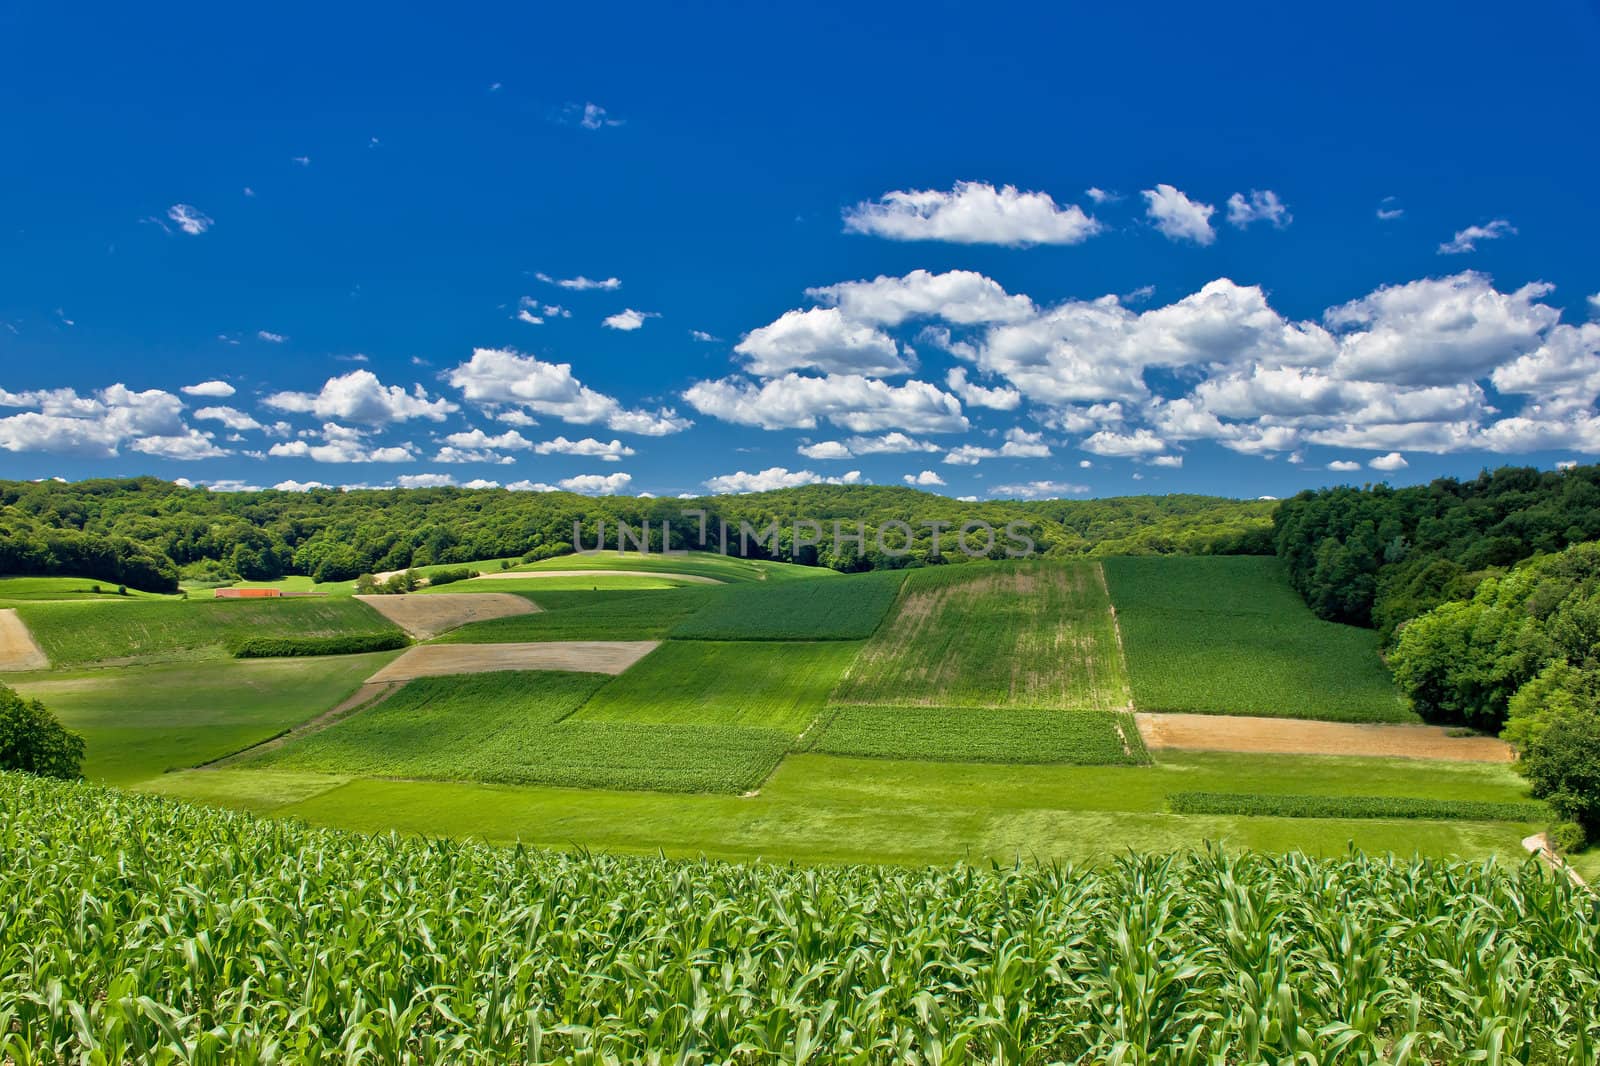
x=190 y=220
x=972 y=213
x=1019 y=444
x=1140 y=444
x=926 y=479
x=1035 y=490
x=1392 y=461
x=509 y=441
x=496 y=377
x=360 y=397
x=63 y=422
x=820 y=339
x=215 y=389
x=627 y=320
x=859 y=404
x=341 y=444
x=999 y=399
x=775 y=477
x=1177 y=216
x=270 y=337
x=964 y=297
x=1466 y=240
x=1262 y=205
x=231 y=417
x=597 y=484
x=1344 y=466
x=581 y=283
x=611 y=451
x=825 y=449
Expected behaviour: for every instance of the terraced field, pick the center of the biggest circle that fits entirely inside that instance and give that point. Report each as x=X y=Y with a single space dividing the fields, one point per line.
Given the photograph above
x=1031 y=634
x=1227 y=635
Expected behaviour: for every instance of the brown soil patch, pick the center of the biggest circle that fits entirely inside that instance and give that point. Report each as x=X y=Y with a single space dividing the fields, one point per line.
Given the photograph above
x=428 y=616
x=583 y=656
x=1295 y=736
x=510 y=575
x=17 y=648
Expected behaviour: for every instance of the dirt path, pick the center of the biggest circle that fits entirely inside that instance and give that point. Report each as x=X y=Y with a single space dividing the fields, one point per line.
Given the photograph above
x=1295 y=736
x=584 y=656
x=507 y=575
x=17 y=648
x=428 y=616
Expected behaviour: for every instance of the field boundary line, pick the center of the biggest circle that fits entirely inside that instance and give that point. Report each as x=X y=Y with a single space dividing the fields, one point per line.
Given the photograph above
x=369 y=695
x=1116 y=631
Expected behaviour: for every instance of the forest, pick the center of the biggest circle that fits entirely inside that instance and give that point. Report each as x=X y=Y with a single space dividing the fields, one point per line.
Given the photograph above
x=151 y=534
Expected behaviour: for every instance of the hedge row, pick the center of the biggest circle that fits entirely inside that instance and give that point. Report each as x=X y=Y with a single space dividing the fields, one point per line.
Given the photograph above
x=350 y=644
x=1267 y=805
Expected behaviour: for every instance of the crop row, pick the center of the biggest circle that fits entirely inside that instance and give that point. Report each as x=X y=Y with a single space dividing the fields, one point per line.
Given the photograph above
x=1281 y=806
x=967 y=734
x=289 y=647
x=139 y=930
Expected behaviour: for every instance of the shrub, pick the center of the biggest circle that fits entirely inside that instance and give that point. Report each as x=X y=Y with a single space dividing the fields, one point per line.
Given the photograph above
x=1267 y=805
x=286 y=647
x=34 y=741
x=1567 y=837
x=1563 y=764
x=450 y=577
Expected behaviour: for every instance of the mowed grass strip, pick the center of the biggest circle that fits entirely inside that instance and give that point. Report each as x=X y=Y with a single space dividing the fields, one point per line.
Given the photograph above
x=779 y=686
x=584 y=615
x=967 y=734
x=78 y=633
x=513 y=728
x=1227 y=635
x=701 y=564
x=1030 y=634
x=849 y=607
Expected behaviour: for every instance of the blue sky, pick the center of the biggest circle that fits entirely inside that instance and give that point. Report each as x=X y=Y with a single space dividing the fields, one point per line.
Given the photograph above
x=993 y=249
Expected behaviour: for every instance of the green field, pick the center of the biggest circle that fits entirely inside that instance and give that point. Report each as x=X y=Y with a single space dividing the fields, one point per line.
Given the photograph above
x=850 y=607
x=15 y=591
x=78 y=633
x=514 y=728
x=140 y=721
x=701 y=564
x=583 y=615
x=970 y=734
x=144 y=929
x=767 y=686
x=1227 y=635
x=1027 y=634
x=534 y=587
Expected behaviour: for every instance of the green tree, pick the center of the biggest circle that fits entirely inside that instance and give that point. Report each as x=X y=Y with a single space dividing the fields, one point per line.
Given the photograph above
x=1563 y=764
x=33 y=741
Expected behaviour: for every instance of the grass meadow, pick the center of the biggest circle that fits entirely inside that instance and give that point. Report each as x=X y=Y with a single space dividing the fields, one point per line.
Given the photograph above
x=15 y=591
x=780 y=686
x=1022 y=635
x=514 y=728
x=700 y=564
x=534 y=587
x=584 y=615
x=970 y=734
x=847 y=607
x=140 y=721
x=1227 y=635
x=79 y=633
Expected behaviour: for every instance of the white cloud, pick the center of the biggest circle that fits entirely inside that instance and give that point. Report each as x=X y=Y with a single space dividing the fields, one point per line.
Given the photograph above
x=825 y=449
x=341 y=444
x=270 y=337
x=972 y=213
x=1344 y=466
x=1594 y=305
x=1172 y=461
x=889 y=444
x=525 y=315
x=217 y=389
x=298 y=486
x=964 y=297
x=597 y=484
x=857 y=403
x=1019 y=444
x=1034 y=490
x=591 y=116
x=1563 y=373
x=452 y=454
x=500 y=377
x=581 y=283
x=1392 y=461
x=925 y=479
x=611 y=451
x=60 y=421
x=628 y=320
x=1262 y=205
x=360 y=397
x=775 y=477
x=1139 y=444
x=1101 y=196
x=190 y=220
x=187 y=446
x=1177 y=216
x=1466 y=240
x=1000 y=399
x=509 y=441
x=821 y=339
x=703 y=337
x=425 y=481
x=231 y=417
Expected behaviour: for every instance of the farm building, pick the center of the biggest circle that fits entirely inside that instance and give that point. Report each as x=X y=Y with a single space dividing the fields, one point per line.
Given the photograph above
x=248 y=594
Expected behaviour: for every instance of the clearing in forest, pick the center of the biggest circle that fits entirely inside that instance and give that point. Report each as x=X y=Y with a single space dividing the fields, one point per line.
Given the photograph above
x=1030 y=634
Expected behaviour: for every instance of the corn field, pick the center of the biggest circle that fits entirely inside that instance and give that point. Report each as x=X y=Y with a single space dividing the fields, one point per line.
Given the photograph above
x=139 y=930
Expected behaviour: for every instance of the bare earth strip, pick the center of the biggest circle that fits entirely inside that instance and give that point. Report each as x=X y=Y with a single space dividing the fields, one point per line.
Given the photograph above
x=583 y=656
x=1294 y=736
x=17 y=649
x=428 y=616
x=521 y=575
